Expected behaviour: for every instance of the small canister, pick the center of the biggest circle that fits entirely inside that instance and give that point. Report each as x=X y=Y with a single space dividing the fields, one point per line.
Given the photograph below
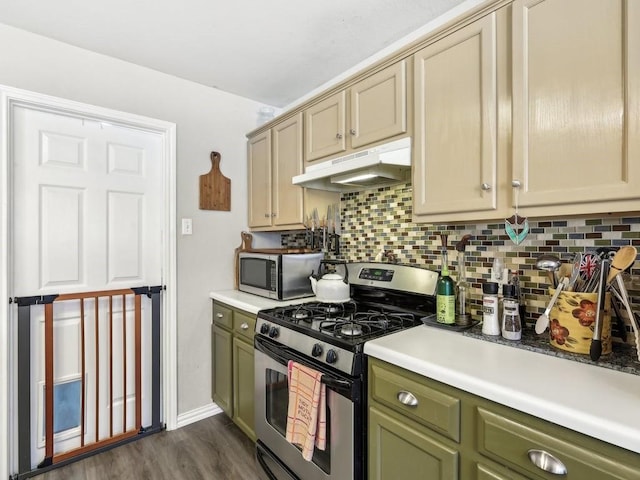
x=490 y=319
x=511 y=325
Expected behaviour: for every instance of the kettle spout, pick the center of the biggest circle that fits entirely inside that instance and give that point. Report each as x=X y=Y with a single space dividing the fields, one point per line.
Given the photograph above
x=314 y=282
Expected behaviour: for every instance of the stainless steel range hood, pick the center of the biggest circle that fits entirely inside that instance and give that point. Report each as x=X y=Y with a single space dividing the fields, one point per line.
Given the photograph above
x=385 y=164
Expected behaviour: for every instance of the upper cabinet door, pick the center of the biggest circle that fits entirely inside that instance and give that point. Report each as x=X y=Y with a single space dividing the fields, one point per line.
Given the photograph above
x=379 y=106
x=288 y=199
x=325 y=127
x=259 y=181
x=576 y=101
x=455 y=148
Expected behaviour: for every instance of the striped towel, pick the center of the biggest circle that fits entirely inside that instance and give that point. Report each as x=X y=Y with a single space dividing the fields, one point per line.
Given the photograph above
x=306 y=416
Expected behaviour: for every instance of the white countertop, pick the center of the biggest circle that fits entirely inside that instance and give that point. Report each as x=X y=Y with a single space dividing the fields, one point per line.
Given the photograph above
x=253 y=303
x=596 y=401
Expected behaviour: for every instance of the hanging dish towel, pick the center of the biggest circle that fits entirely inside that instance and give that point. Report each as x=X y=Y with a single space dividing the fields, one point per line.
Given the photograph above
x=306 y=416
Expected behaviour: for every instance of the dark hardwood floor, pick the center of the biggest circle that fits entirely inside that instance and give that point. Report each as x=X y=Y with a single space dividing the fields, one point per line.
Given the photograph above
x=212 y=449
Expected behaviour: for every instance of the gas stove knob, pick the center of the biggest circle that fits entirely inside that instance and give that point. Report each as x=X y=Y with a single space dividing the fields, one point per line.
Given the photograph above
x=273 y=332
x=264 y=329
x=316 y=350
x=332 y=356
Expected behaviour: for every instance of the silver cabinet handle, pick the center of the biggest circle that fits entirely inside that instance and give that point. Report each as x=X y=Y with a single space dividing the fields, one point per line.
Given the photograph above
x=219 y=315
x=338 y=136
x=515 y=183
x=266 y=215
x=407 y=398
x=485 y=187
x=547 y=462
x=273 y=214
x=244 y=326
x=352 y=131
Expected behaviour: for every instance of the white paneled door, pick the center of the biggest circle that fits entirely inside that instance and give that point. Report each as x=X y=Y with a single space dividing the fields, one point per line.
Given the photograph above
x=87 y=216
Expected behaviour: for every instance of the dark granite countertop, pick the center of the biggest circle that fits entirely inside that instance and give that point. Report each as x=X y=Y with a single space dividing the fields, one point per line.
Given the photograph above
x=622 y=358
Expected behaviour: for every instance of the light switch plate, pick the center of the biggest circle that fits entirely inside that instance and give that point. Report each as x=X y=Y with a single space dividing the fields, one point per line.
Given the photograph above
x=187 y=226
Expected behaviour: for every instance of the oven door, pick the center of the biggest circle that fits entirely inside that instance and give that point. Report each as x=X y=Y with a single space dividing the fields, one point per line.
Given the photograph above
x=272 y=399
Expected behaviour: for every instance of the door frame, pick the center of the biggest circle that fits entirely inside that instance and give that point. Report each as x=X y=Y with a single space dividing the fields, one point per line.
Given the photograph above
x=11 y=98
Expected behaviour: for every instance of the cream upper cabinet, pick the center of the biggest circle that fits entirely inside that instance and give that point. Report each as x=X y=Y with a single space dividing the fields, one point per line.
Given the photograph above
x=456 y=135
x=259 y=181
x=379 y=106
x=576 y=105
x=377 y=110
x=287 y=199
x=324 y=127
x=275 y=156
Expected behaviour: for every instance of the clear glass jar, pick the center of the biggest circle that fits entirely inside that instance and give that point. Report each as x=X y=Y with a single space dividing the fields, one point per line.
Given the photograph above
x=511 y=323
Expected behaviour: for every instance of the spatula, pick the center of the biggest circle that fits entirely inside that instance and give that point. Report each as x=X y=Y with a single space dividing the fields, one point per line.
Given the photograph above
x=622 y=260
x=543 y=320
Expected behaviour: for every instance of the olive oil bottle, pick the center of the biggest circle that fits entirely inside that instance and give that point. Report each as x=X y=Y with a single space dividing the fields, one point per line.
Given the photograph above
x=445 y=291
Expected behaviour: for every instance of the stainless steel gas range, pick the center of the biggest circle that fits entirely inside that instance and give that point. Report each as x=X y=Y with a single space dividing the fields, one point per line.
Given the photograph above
x=330 y=337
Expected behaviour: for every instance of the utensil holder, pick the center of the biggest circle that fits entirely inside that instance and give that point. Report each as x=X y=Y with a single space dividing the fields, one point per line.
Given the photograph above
x=572 y=320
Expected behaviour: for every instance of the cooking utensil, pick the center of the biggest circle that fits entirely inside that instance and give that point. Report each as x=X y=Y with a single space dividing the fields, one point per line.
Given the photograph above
x=543 y=320
x=596 y=341
x=337 y=228
x=622 y=259
x=550 y=264
x=623 y=296
x=575 y=272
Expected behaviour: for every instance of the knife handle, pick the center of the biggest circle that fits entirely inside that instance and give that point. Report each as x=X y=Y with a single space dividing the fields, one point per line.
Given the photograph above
x=595 y=350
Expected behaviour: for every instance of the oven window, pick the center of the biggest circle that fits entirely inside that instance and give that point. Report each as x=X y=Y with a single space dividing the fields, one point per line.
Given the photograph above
x=277 y=394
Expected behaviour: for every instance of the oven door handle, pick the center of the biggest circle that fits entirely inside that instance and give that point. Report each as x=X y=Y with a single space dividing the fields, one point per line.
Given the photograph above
x=335 y=383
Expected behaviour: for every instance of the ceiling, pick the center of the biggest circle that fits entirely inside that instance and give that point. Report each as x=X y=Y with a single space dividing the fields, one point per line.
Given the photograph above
x=273 y=52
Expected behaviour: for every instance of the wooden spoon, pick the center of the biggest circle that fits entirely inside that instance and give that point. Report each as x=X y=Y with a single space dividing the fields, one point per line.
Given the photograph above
x=622 y=260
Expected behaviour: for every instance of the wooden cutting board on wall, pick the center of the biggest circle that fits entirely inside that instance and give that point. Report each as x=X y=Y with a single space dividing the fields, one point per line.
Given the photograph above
x=215 y=188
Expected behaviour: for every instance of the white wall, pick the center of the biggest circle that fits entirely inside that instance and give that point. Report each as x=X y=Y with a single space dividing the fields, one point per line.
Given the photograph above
x=207 y=119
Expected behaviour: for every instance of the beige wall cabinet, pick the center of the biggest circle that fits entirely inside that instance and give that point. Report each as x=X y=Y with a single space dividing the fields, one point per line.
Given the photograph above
x=576 y=104
x=554 y=104
x=275 y=157
x=259 y=181
x=456 y=134
x=372 y=110
x=420 y=428
x=232 y=357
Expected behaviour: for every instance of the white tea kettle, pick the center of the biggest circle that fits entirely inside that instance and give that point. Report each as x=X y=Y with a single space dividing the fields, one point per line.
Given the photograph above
x=331 y=287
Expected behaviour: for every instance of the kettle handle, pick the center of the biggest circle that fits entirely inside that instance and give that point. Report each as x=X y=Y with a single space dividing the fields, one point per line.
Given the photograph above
x=335 y=262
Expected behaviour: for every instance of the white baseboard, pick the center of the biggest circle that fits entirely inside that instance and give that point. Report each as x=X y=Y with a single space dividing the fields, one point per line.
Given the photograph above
x=197 y=414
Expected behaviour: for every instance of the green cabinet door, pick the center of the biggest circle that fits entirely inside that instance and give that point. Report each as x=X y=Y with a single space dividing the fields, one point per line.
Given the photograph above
x=222 y=351
x=243 y=386
x=400 y=449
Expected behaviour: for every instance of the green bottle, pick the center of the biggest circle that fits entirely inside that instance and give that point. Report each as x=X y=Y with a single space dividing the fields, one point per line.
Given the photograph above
x=446 y=291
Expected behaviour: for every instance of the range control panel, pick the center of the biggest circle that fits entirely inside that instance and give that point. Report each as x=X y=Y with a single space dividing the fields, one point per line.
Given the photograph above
x=378 y=274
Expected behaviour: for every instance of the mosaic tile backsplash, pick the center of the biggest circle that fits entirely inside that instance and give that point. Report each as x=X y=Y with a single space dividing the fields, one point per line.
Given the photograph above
x=380 y=219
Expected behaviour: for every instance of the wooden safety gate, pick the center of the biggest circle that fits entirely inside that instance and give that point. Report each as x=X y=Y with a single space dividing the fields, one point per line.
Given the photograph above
x=97 y=317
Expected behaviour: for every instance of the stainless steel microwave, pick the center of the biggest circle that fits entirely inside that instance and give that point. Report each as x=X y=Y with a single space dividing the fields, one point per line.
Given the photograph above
x=278 y=276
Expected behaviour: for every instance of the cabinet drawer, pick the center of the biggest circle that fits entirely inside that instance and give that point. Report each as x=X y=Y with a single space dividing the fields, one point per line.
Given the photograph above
x=244 y=325
x=509 y=441
x=222 y=315
x=412 y=396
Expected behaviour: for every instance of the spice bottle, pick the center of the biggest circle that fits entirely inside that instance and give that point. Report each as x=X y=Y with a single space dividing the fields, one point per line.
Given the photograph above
x=490 y=319
x=511 y=325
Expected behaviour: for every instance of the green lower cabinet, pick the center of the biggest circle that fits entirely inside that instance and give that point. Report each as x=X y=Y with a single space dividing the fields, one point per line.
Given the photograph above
x=402 y=450
x=486 y=472
x=243 y=387
x=232 y=365
x=221 y=344
x=423 y=429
